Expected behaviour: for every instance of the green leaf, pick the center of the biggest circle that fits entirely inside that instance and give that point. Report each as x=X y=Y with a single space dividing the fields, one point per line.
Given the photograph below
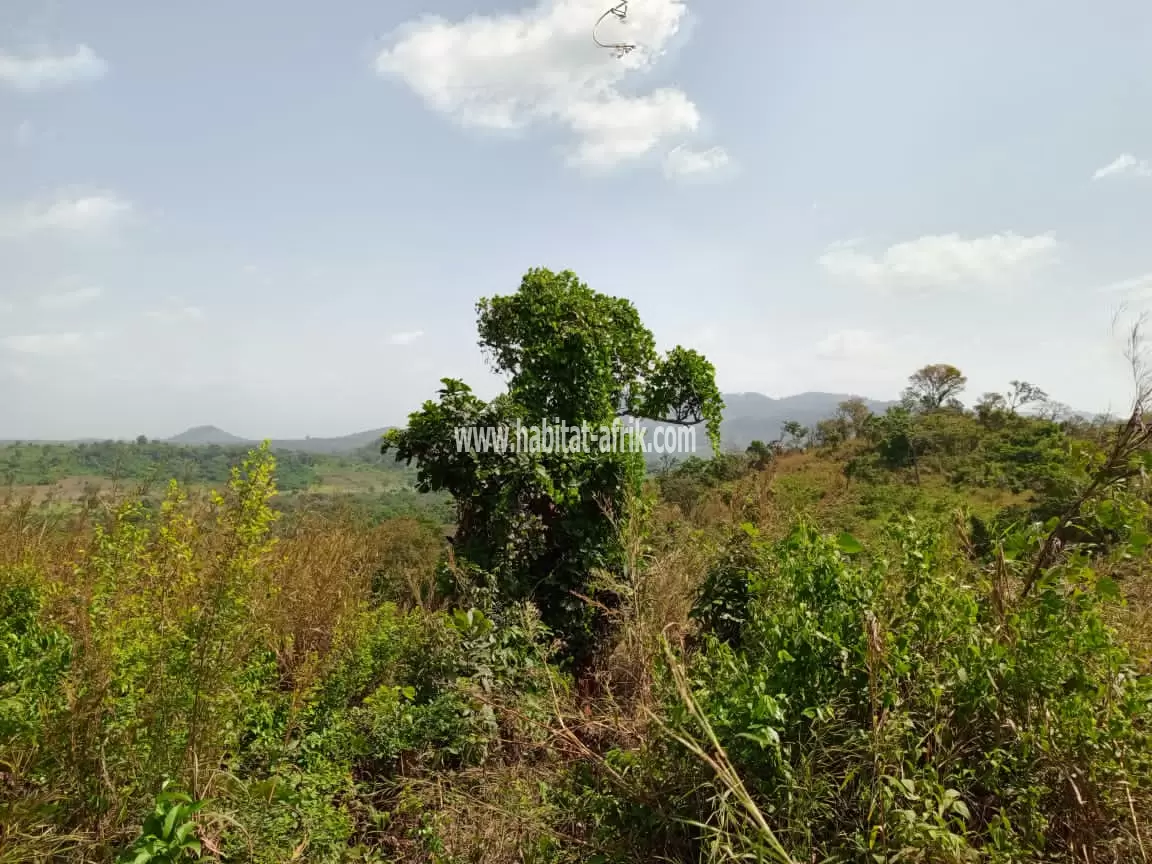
x=170 y=821
x=848 y=544
x=765 y=737
x=1107 y=588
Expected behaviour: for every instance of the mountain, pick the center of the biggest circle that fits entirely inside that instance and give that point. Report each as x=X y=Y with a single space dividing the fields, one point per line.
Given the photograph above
x=343 y=444
x=747 y=417
x=202 y=435
x=206 y=435
x=753 y=416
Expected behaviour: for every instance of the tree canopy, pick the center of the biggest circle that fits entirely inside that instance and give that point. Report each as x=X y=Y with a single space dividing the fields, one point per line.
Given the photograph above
x=934 y=385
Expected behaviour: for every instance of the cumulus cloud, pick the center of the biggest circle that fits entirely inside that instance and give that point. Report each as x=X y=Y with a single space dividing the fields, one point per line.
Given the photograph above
x=540 y=66
x=46 y=70
x=941 y=260
x=88 y=215
x=71 y=299
x=406 y=337
x=1124 y=165
x=685 y=162
x=51 y=344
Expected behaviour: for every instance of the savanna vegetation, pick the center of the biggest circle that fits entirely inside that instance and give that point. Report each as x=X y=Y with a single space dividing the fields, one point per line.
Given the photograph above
x=68 y=473
x=919 y=636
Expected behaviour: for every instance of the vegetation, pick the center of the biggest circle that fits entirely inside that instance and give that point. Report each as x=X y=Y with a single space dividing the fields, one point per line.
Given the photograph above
x=538 y=525
x=68 y=473
x=918 y=636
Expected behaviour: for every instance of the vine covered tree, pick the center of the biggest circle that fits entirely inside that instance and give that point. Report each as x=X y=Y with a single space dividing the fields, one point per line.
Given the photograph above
x=535 y=525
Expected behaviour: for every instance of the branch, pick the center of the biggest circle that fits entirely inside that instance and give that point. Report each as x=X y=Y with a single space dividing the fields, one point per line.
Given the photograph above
x=671 y=421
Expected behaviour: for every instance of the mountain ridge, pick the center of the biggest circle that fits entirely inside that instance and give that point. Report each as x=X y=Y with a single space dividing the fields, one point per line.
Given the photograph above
x=747 y=416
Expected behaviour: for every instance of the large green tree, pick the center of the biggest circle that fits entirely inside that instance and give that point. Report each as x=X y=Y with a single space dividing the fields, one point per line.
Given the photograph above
x=537 y=524
x=935 y=386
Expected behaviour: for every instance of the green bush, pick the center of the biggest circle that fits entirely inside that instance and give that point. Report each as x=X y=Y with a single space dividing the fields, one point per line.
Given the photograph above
x=891 y=706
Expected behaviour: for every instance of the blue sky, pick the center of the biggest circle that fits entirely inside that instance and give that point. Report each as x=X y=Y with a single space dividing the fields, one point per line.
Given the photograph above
x=276 y=217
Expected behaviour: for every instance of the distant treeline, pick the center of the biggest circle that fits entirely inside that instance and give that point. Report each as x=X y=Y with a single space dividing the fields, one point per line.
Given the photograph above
x=151 y=461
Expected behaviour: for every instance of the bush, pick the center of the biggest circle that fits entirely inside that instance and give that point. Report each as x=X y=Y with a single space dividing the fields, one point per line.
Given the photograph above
x=891 y=706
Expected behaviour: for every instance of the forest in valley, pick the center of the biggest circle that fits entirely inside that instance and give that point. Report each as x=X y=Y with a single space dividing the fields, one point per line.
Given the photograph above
x=916 y=634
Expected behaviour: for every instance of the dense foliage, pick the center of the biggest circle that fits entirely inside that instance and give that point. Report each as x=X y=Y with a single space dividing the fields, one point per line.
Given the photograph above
x=922 y=636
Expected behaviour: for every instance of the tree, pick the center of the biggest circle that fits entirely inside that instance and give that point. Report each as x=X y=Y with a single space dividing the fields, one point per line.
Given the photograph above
x=534 y=525
x=795 y=431
x=830 y=432
x=759 y=454
x=990 y=410
x=1052 y=410
x=1023 y=393
x=932 y=386
x=893 y=435
x=141 y=440
x=855 y=413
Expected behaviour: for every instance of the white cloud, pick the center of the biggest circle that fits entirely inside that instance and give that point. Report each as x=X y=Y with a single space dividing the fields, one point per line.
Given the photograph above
x=71 y=299
x=852 y=345
x=177 y=314
x=540 y=66
x=406 y=337
x=52 y=344
x=1124 y=165
x=42 y=71
x=1137 y=286
x=941 y=260
x=89 y=215
x=686 y=162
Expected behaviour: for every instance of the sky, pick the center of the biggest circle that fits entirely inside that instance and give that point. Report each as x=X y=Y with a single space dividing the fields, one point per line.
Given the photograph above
x=277 y=217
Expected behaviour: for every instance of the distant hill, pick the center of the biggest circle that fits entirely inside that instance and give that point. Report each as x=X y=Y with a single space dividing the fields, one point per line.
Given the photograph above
x=343 y=444
x=752 y=416
x=206 y=435
x=202 y=435
x=747 y=417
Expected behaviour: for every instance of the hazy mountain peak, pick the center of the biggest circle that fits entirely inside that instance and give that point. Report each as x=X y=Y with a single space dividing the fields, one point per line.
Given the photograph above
x=205 y=435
